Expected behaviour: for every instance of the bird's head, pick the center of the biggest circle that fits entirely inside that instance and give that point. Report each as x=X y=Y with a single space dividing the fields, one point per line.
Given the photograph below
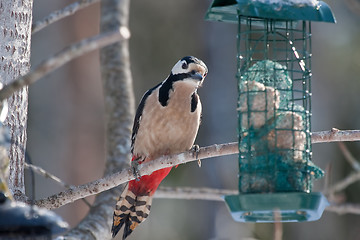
x=190 y=69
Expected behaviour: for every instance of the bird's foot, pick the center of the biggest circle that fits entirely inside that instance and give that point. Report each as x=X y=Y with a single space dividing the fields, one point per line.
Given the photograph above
x=135 y=167
x=195 y=148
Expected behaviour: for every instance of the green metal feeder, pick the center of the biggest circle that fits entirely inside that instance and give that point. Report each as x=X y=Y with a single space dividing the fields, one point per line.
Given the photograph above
x=274 y=108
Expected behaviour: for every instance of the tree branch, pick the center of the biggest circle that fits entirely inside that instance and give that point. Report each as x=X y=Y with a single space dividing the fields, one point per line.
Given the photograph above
x=344 y=208
x=64 y=56
x=119 y=111
x=349 y=157
x=62 y=13
x=335 y=135
x=42 y=172
x=278 y=225
x=46 y=174
x=126 y=175
x=212 y=194
x=190 y=193
x=350 y=179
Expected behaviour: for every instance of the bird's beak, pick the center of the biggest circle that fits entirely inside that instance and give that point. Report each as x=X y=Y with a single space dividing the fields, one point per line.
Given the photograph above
x=197 y=76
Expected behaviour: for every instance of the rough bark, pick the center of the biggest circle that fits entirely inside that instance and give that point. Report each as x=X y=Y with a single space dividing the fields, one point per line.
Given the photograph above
x=119 y=107
x=118 y=89
x=15 y=38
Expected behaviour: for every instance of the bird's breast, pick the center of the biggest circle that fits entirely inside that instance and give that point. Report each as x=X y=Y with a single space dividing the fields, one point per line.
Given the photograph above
x=167 y=130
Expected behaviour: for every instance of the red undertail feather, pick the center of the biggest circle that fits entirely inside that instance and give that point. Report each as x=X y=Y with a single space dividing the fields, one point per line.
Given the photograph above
x=134 y=204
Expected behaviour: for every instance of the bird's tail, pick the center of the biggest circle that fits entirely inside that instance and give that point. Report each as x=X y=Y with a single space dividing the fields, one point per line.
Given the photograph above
x=130 y=210
x=134 y=204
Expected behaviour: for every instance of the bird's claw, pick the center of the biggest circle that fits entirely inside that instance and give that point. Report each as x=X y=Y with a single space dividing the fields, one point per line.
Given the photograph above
x=195 y=148
x=135 y=168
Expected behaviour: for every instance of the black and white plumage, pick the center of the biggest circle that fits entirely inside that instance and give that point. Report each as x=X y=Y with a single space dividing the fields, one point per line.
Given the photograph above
x=166 y=122
x=182 y=84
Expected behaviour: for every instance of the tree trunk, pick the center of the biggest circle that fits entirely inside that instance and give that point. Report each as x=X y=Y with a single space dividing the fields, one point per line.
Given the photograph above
x=15 y=38
x=117 y=83
x=119 y=111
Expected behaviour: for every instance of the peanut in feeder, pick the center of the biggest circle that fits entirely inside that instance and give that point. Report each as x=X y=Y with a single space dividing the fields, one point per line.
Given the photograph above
x=274 y=107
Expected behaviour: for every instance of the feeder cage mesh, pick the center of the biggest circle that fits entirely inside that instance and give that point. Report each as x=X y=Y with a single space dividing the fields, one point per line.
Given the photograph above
x=274 y=106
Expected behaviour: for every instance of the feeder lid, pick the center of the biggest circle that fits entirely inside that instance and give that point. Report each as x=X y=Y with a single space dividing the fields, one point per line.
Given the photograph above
x=18 y=216
x=311 y=10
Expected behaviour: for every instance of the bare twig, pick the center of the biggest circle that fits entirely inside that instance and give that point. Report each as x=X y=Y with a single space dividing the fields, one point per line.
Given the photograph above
x=344 y=208
x=85 y=190
x=62 y=13
x=217 y=195
x=190 y=193
x=327 y=179
x=46 y=174
x=350 y=179
x=211 y=194
x=126 y=175
x=349 y=157
x=278 y=227
x=335 y=135
x=64 y=56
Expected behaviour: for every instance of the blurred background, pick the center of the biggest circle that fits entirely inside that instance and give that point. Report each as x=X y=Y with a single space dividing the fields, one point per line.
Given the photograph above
x=66 y=112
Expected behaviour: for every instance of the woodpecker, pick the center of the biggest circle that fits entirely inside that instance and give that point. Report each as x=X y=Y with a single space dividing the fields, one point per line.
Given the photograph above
x=166 y=122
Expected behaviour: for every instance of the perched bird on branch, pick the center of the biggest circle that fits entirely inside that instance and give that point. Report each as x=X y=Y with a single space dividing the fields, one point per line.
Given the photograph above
x=166 y=122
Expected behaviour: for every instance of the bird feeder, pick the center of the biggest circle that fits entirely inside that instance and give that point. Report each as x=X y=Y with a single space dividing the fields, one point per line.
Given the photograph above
x=19 y=221
x=274 y=108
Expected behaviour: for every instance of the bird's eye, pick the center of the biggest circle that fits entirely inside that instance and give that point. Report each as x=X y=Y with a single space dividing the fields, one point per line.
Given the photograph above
x=193 y=72
x=184 y=65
